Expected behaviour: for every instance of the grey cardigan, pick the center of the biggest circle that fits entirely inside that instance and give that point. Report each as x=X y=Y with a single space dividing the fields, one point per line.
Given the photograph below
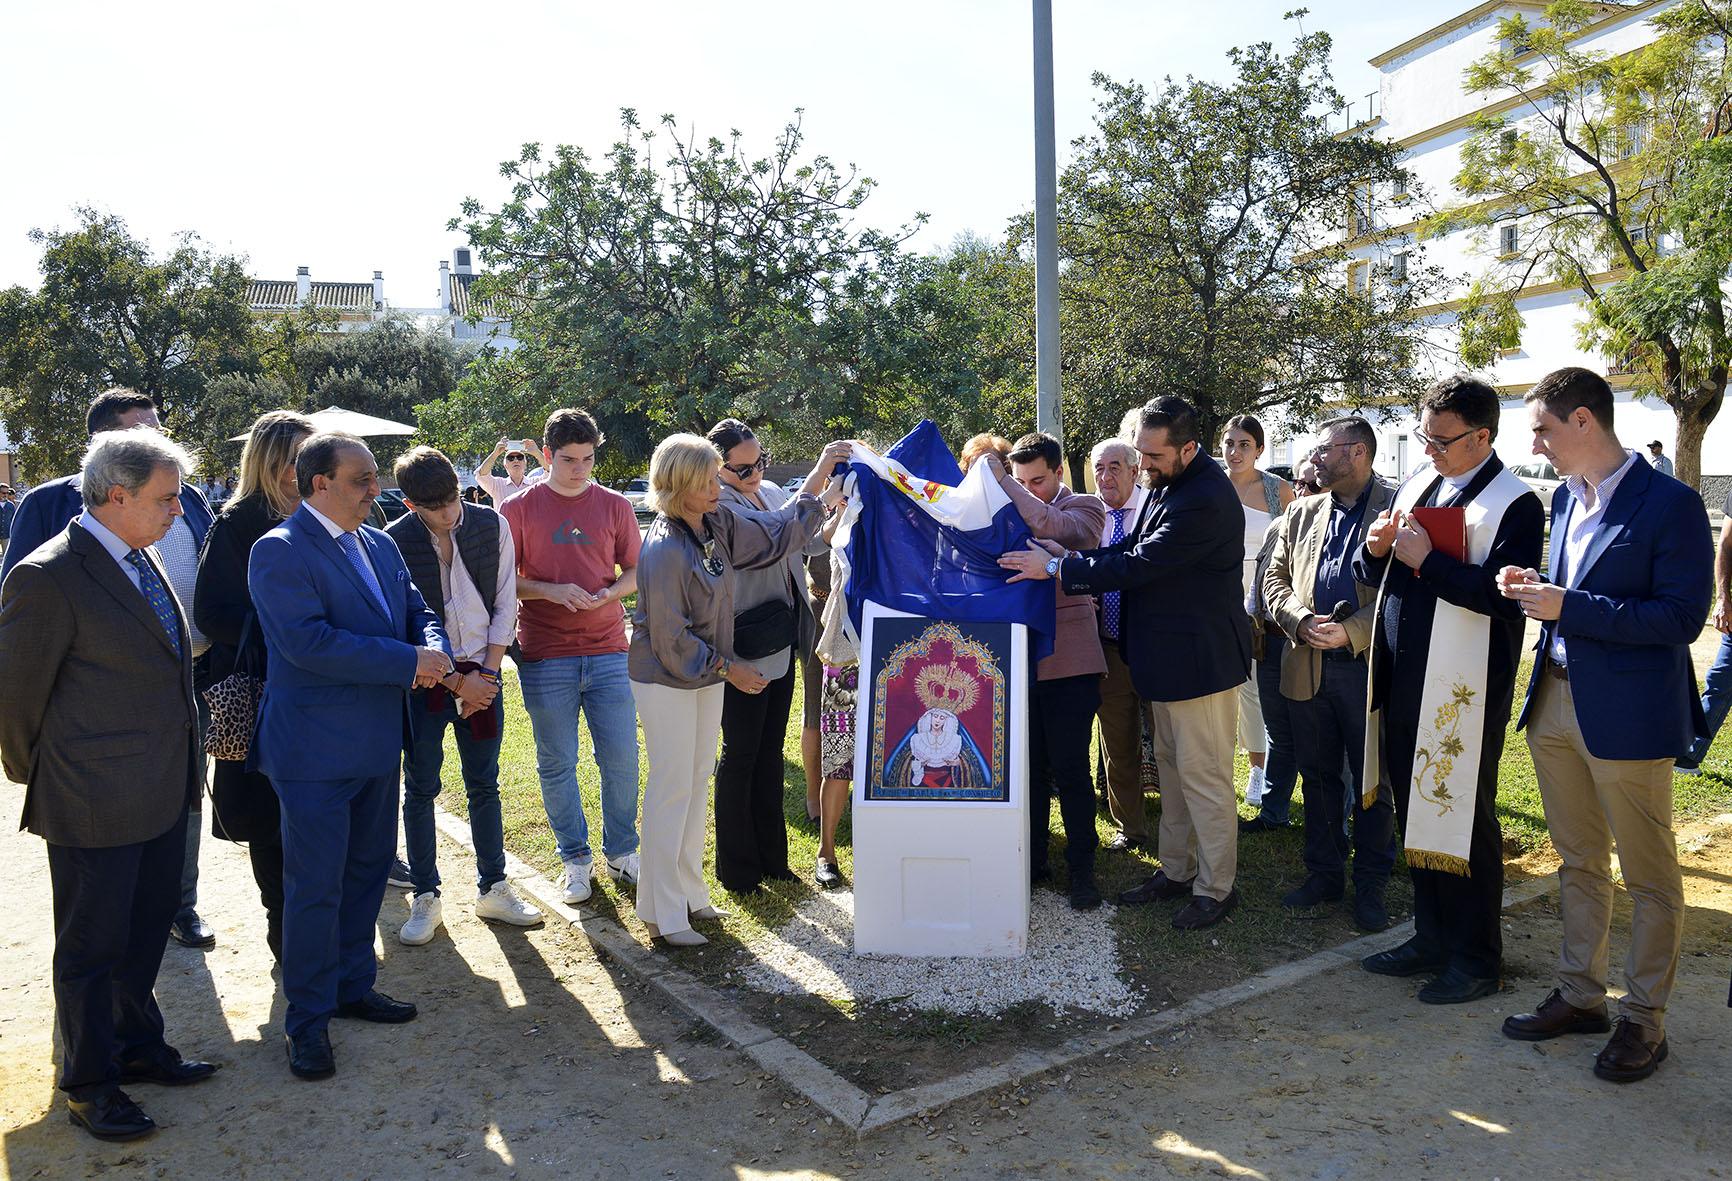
x=684 y=621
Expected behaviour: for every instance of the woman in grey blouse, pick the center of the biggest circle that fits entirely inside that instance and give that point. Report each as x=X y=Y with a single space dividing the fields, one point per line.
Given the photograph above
x=682 y=657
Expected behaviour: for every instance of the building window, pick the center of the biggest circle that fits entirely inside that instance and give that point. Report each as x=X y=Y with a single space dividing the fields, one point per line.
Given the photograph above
x=1632 y=138
x=1359 y=277
x=1359 y=211
x=1509 y=240
x=1398 y=268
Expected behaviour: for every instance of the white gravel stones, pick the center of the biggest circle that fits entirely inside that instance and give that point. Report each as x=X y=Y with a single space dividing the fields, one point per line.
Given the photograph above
x=1072 y=963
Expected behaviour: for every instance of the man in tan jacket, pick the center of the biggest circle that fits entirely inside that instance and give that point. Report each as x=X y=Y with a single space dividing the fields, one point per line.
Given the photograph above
x=1067 y=688
x=1310 y=592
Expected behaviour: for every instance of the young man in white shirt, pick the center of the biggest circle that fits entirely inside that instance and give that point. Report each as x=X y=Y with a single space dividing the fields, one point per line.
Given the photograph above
x=463 y=561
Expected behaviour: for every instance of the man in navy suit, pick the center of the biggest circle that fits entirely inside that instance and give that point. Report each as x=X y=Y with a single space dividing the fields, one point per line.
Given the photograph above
x=42 y=516
x=348 y=636
x=1611 y=703
x=1187 y=641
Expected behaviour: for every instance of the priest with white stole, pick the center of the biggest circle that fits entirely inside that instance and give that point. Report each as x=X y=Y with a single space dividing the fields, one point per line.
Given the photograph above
x=1446 y=647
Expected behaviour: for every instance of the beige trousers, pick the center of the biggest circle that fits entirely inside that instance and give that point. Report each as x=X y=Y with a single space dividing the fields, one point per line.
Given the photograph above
x=1121 y=718
x=1199 y=836
x=1590 y=803
x=680 y=728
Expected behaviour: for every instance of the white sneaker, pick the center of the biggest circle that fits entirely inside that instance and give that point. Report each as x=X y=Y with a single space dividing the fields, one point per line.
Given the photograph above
x=501 y=904
x=426 y=915
x=1255 y=786
x=576 y=882
x=623 y=868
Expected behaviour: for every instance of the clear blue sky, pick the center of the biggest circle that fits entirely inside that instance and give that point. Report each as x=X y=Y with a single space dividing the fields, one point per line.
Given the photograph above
x=343 y=137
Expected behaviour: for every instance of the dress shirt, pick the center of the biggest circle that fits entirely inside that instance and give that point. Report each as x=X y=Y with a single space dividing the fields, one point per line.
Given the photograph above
x=1133 y=506
x=1585 y=519
x=468 y=624
x=1458 y=483
x=117 y=549
x=1341 y=537
x=499 y=487
x=178 y=551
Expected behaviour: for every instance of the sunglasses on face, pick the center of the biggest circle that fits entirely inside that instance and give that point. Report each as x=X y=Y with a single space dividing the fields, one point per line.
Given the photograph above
x=1304 y=487
x=745 y=470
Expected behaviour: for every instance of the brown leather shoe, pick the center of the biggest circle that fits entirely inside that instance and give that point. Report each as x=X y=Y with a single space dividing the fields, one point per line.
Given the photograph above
x=1633 y=1054
x=1158 y=888
x=1554 y=1018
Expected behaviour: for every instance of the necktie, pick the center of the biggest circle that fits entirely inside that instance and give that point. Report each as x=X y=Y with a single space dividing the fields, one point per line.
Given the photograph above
x=1110 y=600
x=352 y=547
x=156 y=594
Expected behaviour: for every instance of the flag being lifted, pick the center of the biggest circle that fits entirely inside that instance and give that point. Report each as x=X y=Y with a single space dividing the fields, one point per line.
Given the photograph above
x=922 y=537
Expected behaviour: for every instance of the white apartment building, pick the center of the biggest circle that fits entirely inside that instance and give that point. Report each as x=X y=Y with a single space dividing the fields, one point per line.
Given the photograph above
x=359 y=305
x=1424 y=107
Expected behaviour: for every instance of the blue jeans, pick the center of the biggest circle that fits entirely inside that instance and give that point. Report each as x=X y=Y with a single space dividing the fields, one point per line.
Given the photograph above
x=554 y=691
x=1716 y=701
x=1281 y=771
x=422 y=763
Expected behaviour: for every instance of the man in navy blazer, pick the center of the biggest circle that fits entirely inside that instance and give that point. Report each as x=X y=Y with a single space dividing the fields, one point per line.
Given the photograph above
x=1611 y=704
x=1187 y=640
x=43 y=515
x=348 y=636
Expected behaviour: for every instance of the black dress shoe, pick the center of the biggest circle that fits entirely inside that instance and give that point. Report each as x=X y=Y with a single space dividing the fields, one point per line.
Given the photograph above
x=1455 y=987
x=166 y=1068
x=1314 y=891
x=1159 y=888
x=378 y=1007
x=1633 y=1054
x=1409 y=959
x=191 y=931
x=1369 y=913
x=1259 y=824
x=310 y=1054
x=1084 y=894
x=1202 y=912
x=110 y=1115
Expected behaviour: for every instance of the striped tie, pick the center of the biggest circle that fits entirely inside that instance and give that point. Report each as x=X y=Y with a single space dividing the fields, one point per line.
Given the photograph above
x=156 y=594
x=1110 y=600
x=352 y=547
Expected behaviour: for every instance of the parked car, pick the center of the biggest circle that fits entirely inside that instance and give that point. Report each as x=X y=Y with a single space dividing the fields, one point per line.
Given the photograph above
x=1540 y=476
x=635 y=490
x=391 y=503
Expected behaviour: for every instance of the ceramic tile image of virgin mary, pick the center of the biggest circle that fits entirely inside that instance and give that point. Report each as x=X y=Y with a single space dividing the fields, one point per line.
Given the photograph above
x=938 y=716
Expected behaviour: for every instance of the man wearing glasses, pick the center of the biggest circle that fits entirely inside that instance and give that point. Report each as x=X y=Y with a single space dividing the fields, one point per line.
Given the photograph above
x=1310 y=592
x=517 y=474
x=577 y=547
x=1446 y=648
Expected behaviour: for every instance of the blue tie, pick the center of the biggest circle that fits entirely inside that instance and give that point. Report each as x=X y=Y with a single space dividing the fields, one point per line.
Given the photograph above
x=352 y=547
x=156 y=594
x=1110 y=600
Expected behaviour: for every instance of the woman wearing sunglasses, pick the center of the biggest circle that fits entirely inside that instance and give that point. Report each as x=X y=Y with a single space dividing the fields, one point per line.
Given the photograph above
x=683 y=663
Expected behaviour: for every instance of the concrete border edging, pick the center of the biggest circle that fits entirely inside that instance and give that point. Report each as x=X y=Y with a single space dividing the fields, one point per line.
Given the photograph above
x=852 y=1106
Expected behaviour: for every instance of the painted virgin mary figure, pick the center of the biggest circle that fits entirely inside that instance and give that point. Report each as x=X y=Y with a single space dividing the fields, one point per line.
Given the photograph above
x=938 y=754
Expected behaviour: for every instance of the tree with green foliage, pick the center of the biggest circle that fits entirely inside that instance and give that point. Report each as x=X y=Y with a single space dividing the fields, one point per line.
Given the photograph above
x=1615 y=170
x=672 y=283
x=108 y=313
x=1201 y=225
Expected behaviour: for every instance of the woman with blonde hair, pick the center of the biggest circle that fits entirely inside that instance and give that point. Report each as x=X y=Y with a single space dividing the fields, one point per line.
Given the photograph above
x=244 y=802
x=682 y=656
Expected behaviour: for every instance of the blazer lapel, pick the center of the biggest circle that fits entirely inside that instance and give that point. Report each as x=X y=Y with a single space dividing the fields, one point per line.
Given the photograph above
x=327 y=544
x=386 y=590
x=1625 y=501
x=1562 y=505
x=111 y=578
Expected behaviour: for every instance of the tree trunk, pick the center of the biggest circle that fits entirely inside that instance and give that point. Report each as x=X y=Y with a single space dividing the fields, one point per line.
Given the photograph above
x=1687 y=458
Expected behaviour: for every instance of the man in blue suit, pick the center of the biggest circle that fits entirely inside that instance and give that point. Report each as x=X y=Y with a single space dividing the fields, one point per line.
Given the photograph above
x=43 y=515
x=1187 y=641
x=1611 y=703
x=348 y=636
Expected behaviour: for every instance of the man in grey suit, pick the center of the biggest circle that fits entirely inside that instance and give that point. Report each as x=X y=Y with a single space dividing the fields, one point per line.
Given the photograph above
x=97 y=719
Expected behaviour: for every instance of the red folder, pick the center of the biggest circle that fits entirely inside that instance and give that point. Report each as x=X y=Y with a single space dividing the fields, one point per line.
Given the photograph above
x=1447 y=527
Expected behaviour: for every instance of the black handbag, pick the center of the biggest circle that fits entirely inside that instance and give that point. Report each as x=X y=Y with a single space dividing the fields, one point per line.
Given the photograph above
x=765 y=630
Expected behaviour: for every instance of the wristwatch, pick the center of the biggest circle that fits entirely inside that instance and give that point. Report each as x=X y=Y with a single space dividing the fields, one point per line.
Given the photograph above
x=1052 y=567
x=723 y=667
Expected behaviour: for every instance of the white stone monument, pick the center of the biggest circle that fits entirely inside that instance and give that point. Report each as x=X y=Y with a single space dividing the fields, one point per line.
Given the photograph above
x=941 y=787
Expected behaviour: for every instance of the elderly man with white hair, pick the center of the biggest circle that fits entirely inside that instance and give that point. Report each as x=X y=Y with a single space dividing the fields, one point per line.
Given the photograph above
x=97 y=718
x=1115 y=465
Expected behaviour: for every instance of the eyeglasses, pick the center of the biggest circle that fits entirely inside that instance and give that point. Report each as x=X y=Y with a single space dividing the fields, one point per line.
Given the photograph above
x=1326 y=448
x=745 y=470
x=1431 y=443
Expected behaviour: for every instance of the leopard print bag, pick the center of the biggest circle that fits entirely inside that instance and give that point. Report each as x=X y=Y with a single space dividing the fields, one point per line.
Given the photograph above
x=234 y=709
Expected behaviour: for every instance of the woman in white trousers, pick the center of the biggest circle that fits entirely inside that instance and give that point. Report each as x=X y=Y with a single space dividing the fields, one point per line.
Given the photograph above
x=682 y=653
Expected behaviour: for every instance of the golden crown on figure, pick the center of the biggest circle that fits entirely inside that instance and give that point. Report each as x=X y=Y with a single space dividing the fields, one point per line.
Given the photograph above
x=947 y=687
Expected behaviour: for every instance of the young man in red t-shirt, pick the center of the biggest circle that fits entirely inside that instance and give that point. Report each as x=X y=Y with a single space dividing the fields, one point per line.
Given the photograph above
x=577 y=546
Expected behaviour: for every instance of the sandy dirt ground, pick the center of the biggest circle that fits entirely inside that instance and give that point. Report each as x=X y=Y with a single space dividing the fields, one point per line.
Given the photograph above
x=532 y=1058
